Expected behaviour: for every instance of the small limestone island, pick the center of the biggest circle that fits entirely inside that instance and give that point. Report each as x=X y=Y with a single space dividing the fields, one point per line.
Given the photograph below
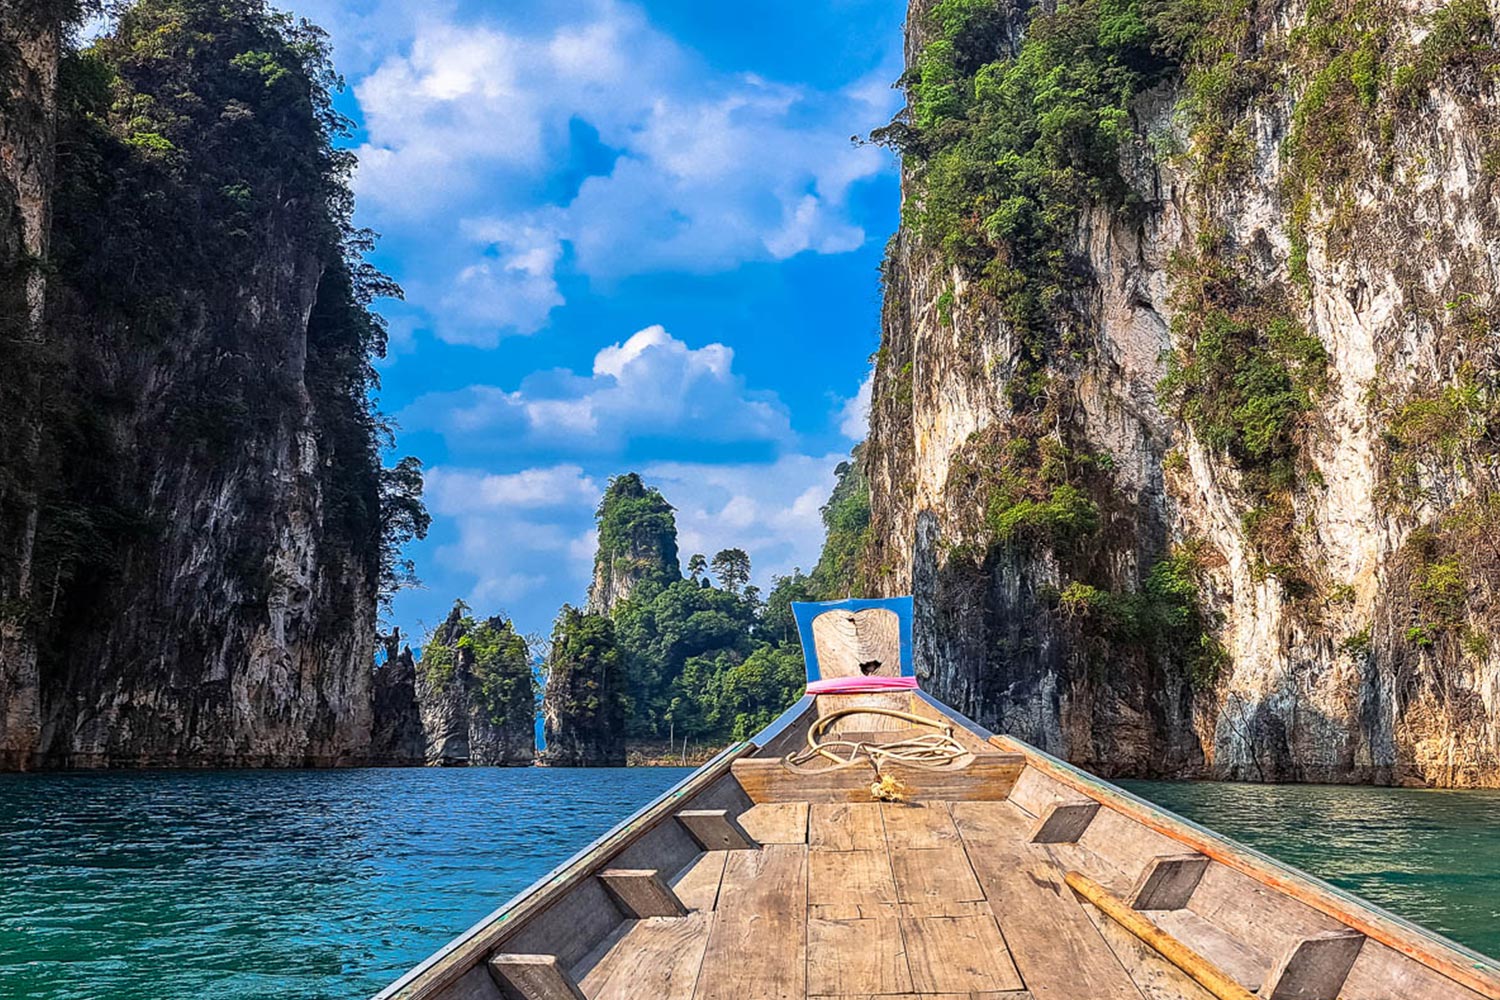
x=1184 y=437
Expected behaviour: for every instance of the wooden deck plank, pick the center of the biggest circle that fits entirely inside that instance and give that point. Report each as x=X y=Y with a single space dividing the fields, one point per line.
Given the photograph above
x=918 y=826
x=958 y=954
x=846 y=826
x=850 y=878
x=659 y=957
x=1054 y=945
x=1239 y=961
x=864 y=955
x=936 y=875
x=697 y=885
x=776 y=822
x=757 y=946
x=987 y=777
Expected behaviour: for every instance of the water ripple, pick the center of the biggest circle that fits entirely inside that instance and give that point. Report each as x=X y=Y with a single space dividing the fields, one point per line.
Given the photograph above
x=273 y=885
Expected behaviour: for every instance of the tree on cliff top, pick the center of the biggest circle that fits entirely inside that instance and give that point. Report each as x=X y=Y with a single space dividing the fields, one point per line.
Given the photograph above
x=494 y=655
x=637 y=540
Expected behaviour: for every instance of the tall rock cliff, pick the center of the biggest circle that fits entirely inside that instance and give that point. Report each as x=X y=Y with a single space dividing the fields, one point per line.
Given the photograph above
x=191 y=499
x=637 y=542
x=1186 y=423
x=584 y=707
x=477 y=693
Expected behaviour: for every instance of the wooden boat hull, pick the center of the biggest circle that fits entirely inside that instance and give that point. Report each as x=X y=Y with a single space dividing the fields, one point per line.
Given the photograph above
x=1002 y=874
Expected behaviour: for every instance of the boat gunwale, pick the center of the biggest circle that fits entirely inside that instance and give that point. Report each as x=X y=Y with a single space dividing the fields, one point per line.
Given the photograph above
x=429 y=975
x=1442 y=955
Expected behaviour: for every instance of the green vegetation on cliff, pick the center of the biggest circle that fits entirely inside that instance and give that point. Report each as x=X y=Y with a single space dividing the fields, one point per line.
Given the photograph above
x=493 y=653
x=585 y=708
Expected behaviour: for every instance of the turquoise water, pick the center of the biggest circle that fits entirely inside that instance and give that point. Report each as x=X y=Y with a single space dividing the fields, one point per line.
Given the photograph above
x=329 y=884
x=274 y=885
x=1428 y=855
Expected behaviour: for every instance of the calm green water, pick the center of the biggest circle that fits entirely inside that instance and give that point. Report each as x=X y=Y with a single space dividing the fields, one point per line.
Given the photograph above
x=1430 y=856
x=274 y=885
x=303 y=885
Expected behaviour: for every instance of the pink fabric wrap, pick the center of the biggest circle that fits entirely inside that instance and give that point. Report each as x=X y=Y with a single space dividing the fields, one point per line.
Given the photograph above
x=861 y=685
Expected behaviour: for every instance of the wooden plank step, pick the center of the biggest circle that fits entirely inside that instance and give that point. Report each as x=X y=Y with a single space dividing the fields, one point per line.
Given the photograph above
x=716 y=830
x=987 y=777
x=533 y=977
x=641 y=893
x=1063 y=822
x=1167 y=883
x=697 y=885
x=1316 y=968
x=1056 y=948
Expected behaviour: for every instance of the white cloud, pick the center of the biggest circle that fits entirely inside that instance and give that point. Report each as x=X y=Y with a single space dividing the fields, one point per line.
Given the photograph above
x=470 y=121
x=854 y=415
x=461 y=491
x=651 y=385
x=771 y=510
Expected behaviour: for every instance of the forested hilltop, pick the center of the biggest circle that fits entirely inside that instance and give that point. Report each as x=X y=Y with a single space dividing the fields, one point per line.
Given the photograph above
x=196 y=530
x=667 y=660
x=1186 y=416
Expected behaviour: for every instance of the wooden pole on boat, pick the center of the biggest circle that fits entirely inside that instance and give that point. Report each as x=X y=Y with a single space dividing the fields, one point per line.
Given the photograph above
x=1204 y=972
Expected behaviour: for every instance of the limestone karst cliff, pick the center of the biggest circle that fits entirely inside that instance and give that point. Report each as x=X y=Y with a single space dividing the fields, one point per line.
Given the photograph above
x=637 y=542
x=476 y=693
x=584 y=707
x=194 y=519
x=1185 y=423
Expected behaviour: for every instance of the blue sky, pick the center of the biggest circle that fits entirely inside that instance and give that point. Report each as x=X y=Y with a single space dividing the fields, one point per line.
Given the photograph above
x=633 y=236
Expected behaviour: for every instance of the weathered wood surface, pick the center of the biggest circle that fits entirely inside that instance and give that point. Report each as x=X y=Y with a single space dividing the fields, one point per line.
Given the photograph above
x=1242 y=962
x=918 y=826
x=641 y=893
x=1200 y=968
x=697 y=885
x=758 y=944
x=1253 y=913
x=534 y=977
x=864 y=643
x=938 y=874
x=1434 y=959
x=1167 y=883
x=987 y=777
x=657 y=958
x=958 y=953
x=1054 y=945
x=716 y=830
x=1154 y=976
x=776 y=822
x=1382 y=973
x=846 y=826
x=1316 y=968
x=858 y=955
x=1063 y=822
x=850 y=878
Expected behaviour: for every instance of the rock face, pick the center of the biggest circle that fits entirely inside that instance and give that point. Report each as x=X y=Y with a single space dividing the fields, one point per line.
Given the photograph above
x=637 y=542
x=477 y=694
x=1245 y=528
x=189 y=503
x=583 y=710
x=398 y=738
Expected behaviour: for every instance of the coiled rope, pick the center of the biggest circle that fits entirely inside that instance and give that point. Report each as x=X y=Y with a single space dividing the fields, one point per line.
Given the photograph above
x=930 y=750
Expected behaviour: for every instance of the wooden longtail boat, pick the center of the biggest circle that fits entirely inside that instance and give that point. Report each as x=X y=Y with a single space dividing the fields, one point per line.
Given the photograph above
x=873 y=843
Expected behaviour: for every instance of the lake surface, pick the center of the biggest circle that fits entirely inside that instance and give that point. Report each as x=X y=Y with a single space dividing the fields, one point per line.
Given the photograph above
x=330 y=884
